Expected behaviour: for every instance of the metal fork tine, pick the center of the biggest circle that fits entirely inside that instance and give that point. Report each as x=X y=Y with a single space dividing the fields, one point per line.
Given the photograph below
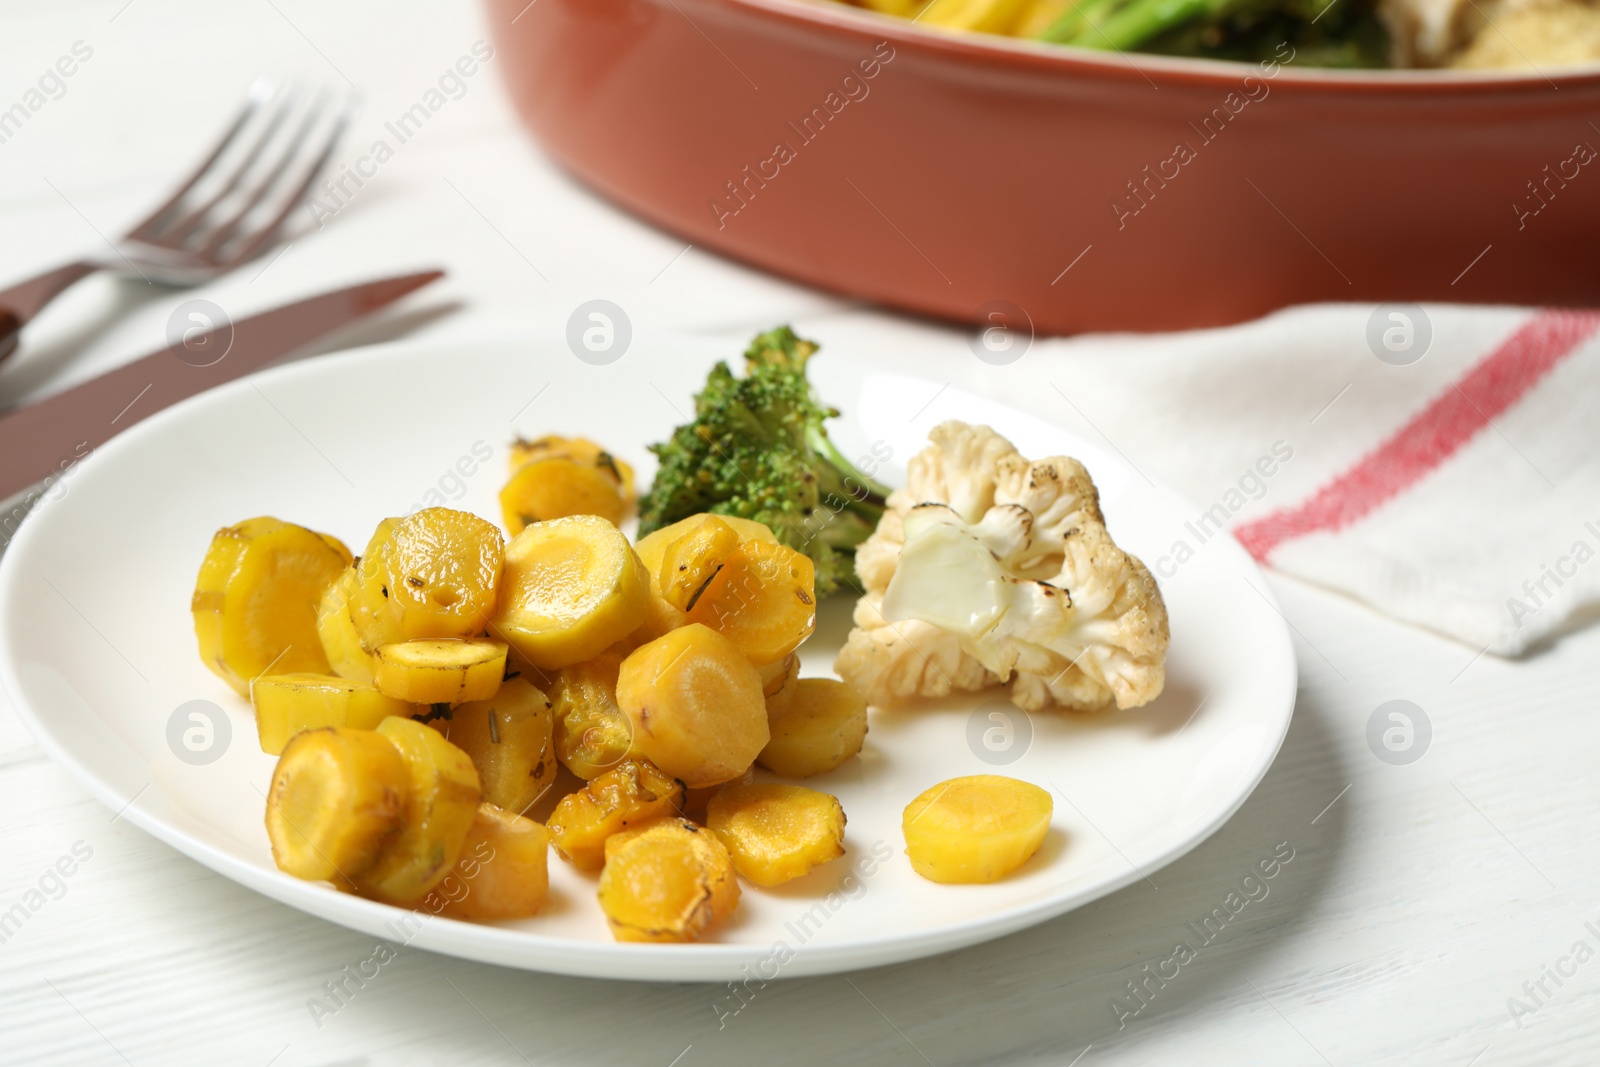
x=318 y=165
x=223 y=232
x=260 y=91
x=178 y=232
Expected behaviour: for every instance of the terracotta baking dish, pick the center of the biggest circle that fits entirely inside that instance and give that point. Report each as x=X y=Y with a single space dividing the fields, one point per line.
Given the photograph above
x=956 y=175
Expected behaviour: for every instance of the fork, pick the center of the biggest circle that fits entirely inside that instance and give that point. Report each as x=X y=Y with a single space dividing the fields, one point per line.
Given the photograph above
x=211 y=224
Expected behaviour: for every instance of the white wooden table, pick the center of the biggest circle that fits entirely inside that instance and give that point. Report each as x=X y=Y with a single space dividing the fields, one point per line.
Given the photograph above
x=1419 y=899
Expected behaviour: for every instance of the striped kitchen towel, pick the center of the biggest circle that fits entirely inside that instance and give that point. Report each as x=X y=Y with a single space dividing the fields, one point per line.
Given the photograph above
x=1441 y=463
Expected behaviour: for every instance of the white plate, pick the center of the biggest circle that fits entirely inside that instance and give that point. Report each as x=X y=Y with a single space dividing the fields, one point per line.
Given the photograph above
x=98 y=653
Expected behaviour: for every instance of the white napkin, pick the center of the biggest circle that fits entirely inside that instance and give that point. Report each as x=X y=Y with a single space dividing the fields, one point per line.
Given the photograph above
x=1442 y=465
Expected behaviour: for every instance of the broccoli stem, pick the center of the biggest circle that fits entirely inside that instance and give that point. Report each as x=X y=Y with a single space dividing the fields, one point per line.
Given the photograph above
x=845 y=529
x=823 y=445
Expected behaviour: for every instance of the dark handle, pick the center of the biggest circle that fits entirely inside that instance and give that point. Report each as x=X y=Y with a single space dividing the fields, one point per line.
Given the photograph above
x=20 y=303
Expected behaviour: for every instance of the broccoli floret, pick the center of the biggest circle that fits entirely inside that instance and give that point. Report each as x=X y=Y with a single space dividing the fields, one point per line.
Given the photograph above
x=757 y=449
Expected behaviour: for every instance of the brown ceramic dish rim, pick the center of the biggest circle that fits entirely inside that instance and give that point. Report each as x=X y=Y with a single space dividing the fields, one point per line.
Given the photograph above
x=1039 y=57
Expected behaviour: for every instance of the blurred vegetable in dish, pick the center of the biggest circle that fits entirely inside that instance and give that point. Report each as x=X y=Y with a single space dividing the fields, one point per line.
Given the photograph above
x=1519 y=34
x=1318 y=33
x=1501 y=34
x=758 y=449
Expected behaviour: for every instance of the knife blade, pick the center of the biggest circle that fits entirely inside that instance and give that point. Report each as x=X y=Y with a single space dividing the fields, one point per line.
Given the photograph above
x=48 y=437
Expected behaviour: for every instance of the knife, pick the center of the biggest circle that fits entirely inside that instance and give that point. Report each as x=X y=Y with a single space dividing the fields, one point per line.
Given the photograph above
x=48 y=437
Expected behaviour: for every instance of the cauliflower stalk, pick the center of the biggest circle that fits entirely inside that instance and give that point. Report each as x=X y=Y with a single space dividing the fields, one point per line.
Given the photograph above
x=989 y=567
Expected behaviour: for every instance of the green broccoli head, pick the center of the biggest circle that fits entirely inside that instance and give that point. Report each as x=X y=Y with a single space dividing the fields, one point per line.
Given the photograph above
x=758 y=449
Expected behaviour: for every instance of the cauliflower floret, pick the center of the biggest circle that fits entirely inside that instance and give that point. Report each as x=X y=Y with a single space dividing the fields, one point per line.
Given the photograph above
x=889 y=661
x=988 y=567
